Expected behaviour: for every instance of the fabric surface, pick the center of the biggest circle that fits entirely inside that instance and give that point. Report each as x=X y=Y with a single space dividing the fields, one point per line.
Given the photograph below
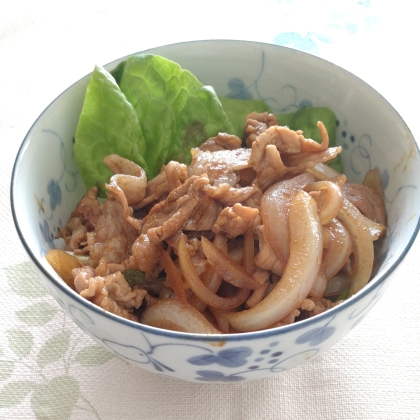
x=49 y=368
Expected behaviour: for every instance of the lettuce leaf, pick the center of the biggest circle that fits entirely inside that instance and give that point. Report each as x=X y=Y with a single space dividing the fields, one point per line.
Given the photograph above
x=238 y=109
x=176 y=111
x=108 y=124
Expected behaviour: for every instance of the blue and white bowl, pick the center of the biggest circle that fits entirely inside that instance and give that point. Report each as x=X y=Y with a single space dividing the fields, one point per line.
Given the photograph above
x=46 y=186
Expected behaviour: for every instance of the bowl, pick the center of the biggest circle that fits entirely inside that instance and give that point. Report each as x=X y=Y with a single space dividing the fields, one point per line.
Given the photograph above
x=46 y=186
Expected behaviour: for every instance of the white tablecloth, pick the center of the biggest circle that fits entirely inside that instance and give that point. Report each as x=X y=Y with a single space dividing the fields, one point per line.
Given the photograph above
x=49 y=368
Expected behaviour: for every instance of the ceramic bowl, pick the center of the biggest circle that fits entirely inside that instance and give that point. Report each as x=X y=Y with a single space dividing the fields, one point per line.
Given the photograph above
x=46 y=187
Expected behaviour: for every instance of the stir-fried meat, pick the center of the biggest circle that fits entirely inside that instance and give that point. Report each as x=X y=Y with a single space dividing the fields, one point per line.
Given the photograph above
x=110 y=292
x=367 y=200
x=75 y=235
x=120 y=165
x=129 y=177
x=113 y=235
x=322 y=305
x=279 y=150
x=285 y=140
x=237 y=226
x=119 y=196
x=222 y=141
x=176 y=174
x=193 y=244
x=255 y=124
x=82 y=219
x=204 y=215
x=270 y=169
x=235 y=221
x=230 y=195
x=298 y=163
x=267 y=257
x=145 y=255
x=88 y=207
x=170 y=215
x=220 y=166
x=156 y=190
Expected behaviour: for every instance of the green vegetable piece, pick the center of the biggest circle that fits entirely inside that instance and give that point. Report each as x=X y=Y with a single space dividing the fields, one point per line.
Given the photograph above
x=175 y=110
x=306 y=120
x=108 y=124
x=136 y=278
x=118 y=71
x=238 y=109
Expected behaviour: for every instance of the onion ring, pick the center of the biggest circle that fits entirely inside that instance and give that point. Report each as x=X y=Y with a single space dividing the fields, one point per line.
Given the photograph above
x=299 y=274
x=362 y=243
x=197 y=286
x=171 y=314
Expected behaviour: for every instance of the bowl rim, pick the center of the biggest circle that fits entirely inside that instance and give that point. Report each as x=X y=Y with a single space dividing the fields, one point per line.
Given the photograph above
x=375 y=282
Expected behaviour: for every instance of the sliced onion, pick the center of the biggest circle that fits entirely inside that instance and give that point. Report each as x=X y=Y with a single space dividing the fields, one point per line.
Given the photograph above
x=200 y=290
x=172 y=314
x=275 y=204
x=221 y=319
x=323 y=171
x=248 y=257
x=338 y=253
x=320 y=284
x=334 y=257
x=209 y=278
x=333 y=199
x=173 y=276
x=258 y=294
x=373 y=180
x=299 y=274
x=363 y=250
x=227 y=268
x=63 y=263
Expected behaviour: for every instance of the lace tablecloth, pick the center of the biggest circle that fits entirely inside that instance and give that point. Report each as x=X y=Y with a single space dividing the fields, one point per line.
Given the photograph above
x=49 y=368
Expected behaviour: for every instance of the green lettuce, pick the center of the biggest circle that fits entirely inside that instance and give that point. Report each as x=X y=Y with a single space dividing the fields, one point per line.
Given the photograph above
x=238 y=109
x=176 y=111
x=108 y=124
x=149 y=109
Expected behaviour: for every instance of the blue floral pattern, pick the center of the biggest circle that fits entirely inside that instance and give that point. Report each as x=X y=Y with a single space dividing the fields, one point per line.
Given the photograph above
x=229 y=358
x=54 y=191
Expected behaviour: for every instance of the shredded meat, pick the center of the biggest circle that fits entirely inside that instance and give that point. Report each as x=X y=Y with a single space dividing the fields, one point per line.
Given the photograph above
x=204 y=215
x=279 y=151
x=235 y=221
x=112 y=237
x=156 y=190
x=267 y=257
x=129 y=177
x=220 y=166
x=222 y=141
x=78 y=230
x=170 y=215
x=110 y=292
x=255 y=124
x=88 y=207
x=82 y=220
x=221 y=227
x=322 y=305
x=176 y=174
x=145 y=255
x=230 y=195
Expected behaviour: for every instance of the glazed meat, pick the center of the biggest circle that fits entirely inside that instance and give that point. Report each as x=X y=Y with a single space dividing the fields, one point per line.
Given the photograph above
x=248 y=237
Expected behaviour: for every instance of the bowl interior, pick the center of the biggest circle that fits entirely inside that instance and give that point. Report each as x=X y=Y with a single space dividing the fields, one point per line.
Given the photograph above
x=46 y=184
